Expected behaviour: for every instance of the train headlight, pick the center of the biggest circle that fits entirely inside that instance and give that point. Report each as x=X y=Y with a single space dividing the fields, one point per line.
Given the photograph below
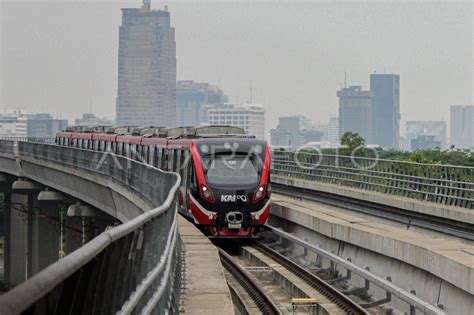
x=207 y=194
x=259 y=194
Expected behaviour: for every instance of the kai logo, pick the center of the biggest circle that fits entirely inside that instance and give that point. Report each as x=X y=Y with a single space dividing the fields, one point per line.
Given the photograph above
x=233 y=198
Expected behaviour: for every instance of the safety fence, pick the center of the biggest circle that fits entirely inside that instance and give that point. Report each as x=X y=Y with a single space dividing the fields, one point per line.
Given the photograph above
x=442 y=184
x=134 y=267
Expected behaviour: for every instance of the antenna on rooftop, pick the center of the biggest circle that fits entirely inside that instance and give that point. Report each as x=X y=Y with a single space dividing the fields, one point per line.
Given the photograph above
x=251 y=96
x=345 y=79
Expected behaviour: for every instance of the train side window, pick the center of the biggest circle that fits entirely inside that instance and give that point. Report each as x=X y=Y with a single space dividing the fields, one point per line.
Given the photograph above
x=139 y=153
x=96 y=145
x=159 y=157
x=101 y=145
x=127 y=150
x=145 y=154
x=120 y=148
x=151 y=155
x=170 y=159
x=177 y=165
x=192 y=177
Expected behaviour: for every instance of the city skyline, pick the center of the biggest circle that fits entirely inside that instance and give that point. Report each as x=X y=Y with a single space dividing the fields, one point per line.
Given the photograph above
x=425 y=95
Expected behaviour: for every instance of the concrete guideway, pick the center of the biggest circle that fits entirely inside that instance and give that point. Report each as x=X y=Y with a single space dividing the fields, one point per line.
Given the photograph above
x=451 y=263
x=132 y=196
x=204 y=286
x=409 y=204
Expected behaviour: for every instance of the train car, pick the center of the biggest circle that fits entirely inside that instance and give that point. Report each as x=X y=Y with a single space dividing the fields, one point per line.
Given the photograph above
x=225 y=187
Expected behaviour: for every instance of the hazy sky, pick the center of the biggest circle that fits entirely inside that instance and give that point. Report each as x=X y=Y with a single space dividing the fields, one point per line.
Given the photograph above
x=55 y=55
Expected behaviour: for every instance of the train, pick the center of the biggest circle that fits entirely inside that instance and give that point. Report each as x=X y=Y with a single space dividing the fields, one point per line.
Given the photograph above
x=225 y=188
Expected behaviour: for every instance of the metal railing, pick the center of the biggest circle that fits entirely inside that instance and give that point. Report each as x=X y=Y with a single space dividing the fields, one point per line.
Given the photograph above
x=414 y=302
x=442 y=184
x=134 y=267
x=30 y=139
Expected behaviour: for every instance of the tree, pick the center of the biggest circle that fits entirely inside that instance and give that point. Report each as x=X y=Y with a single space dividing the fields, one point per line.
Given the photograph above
x=352 y=141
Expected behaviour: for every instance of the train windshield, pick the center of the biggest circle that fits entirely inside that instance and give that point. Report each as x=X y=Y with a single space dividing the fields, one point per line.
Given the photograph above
x=240 y=170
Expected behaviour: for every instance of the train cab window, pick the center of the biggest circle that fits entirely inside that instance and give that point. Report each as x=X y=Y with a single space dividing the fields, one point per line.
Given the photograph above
x=238 y=170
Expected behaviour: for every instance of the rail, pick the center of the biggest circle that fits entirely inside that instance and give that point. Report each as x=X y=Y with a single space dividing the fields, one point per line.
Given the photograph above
x=134 y=267
x=257 y=293
x=412 y=300
x=442 y=184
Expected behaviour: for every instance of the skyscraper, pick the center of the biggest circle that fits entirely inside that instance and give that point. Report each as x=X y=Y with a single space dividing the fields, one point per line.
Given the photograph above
x=294 y=132
x=147 y=68
x=250 y=117
x=44 y=126
x=333 y=130
x=386 y=109
x=192 y=99
x=462 y=126
x=13 y=123
x=355 y=112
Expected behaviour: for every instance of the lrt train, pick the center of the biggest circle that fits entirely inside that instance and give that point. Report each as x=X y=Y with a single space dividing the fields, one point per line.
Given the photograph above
x=225 y=187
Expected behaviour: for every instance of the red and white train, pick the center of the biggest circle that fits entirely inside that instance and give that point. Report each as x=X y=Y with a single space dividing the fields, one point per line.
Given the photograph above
x=225 y=187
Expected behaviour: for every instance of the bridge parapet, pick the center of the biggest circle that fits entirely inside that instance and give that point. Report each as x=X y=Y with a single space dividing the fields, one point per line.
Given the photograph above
x=133 y=267
x=436 y=183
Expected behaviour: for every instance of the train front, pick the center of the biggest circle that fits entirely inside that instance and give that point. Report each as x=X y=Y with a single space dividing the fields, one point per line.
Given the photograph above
x=231 y=194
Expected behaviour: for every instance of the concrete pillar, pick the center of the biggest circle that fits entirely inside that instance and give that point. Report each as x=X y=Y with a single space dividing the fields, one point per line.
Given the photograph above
x=5 y=188
x=52 y=204
x=17 y=258
x=85 y=217
x=25 y=248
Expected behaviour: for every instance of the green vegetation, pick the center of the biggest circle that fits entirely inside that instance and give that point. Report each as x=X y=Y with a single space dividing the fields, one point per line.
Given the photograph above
x=451 y=156
x=352 y=142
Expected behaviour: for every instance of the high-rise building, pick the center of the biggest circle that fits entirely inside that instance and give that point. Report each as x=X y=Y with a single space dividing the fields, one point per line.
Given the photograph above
x=44 y=126
x=91 y=120
x=193 y=100
x=293 y=132
x=462 y=126
x=250 y=117
x=415 y=129
x=355 y=112
x=333 y=130
x=385 y=89
x=146 y=68
x=13 y=123
x=424 y=142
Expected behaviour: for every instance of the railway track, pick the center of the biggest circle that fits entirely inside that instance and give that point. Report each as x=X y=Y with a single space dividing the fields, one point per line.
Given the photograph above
x=257 y=263
x=261 y=298
x=409 y=218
